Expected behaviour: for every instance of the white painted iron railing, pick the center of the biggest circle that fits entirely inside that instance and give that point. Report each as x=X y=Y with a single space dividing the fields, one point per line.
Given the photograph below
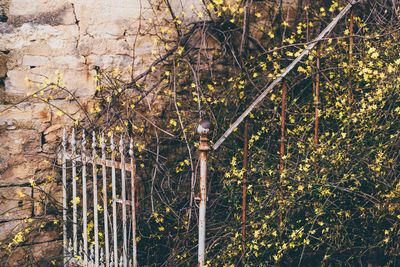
x=107 y=245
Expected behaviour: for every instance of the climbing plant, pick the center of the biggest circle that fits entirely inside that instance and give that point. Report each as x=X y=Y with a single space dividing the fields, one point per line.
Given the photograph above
x=335 y=202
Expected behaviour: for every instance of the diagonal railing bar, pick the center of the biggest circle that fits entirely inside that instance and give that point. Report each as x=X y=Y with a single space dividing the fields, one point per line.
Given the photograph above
x=288 y=69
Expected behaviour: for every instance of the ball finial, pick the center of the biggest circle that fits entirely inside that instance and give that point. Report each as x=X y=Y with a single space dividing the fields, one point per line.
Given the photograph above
x=204 y=127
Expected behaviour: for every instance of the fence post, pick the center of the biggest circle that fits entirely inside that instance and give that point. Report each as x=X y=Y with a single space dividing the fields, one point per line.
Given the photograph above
x=95 y=205
x=84 y=200
x=203 y=129
x=64 y=199
x=282 y=149
x=123 y=196
x=105 y=203
x=133 y=174
x=74 y=207
x=114 y=202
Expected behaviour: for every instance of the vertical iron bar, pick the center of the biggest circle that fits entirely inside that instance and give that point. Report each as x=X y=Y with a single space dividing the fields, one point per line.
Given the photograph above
x=244 y=191
x=203 y=130
x=74 y=215
x=70 y=251
x=103 y=163
x=114 y=202
x=133 y=174
x=317 y=102
x=84 y=199
x=91 y=256
x=95 y=205
x=123 y=196
x=350 y=90
x=282 y=149
x=64 y=200
x=80 y=253
x=101 y=256
x=351 y=43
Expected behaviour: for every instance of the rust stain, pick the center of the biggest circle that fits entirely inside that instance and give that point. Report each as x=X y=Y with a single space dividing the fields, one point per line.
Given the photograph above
x=44 y=114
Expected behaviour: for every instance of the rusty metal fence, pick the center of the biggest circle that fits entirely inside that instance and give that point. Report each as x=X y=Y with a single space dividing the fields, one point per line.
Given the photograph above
x=110 y=239
x=98 y=201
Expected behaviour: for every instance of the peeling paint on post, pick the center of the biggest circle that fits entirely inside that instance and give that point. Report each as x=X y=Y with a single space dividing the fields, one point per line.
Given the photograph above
x=203 y=129
x=133 y=204
x=282 y=150
x=64 y=181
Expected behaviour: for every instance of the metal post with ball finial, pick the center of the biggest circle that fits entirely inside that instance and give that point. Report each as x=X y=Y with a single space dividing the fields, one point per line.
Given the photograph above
x=203 y=129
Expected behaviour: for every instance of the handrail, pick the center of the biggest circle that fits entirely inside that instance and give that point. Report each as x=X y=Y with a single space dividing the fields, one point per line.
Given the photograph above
x=288 y=69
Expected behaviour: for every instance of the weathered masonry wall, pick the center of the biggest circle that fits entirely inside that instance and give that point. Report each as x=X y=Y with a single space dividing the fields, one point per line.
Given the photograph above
x=38 y=38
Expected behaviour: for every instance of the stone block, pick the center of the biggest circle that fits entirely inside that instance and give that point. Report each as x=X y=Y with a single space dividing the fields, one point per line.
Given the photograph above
x=67 y=61
x=15 y=202
x=35 y=61
x=58 y=48
x=27 y=7
x=5 y=28
x=104 y=11
x=59 y=36
x=88 y=45
x=18 y=142
x=15 y=82
x=77 y=81
x=41 y=12
x=144 y=45
x=106 y=30
x=14 y=59
x=26 y=113
x=3 y=65
x=6 y=230
x=52 y=137
x=18 y=174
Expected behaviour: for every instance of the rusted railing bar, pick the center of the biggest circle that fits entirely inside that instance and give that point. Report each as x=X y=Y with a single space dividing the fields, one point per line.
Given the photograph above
x=351 y=44
x=64 y=200
x=133 y=174
x=282 y=147
x=84 y=200
x=98 y=161
x=74 y=198
x=105 y=204
x=203 y=130
x=114 y=204
x=95 y=204
x=244 y=189
x=317 y=102
x=123 y=196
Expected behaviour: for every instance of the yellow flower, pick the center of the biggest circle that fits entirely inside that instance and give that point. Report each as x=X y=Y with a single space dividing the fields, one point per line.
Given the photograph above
x=32 y=182
x=116 y=71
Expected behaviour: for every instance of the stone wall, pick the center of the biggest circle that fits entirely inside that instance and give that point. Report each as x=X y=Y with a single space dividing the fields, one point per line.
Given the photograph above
x=37 y=38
